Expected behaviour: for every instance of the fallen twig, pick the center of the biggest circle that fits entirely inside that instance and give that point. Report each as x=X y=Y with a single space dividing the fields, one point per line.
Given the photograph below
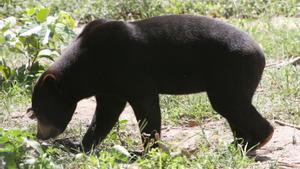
x=282 y=123
x=293 y=61
x=163 y=146
x=289 y=165
x=17 y=116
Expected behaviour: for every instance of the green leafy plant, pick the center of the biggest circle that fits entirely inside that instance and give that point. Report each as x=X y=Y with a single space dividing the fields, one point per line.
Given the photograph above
x=12 y=146
x=19 y=150
x=37 y=38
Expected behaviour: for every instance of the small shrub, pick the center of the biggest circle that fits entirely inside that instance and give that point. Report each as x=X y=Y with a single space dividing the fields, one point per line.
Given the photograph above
x=36 y=38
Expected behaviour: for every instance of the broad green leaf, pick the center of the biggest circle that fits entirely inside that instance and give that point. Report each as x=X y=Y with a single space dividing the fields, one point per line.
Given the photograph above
x=30 y=11
x=19 y=46
x=47 y=53
x=8 y=147
x=42 y=15
x=59 y=28
x=51 y=19
x=79 y=156
x=30 y=161
x=46 y=37
x=34 y=41
x=34 y=30
x=50 y=57
x=93 y=160
x=5 y=71
x=3 y=139
x=34 y=144
x=15 y=133
x=2 y=38
x=11 y=21
x=16 y=46
x=122 y=150
x=66 y=19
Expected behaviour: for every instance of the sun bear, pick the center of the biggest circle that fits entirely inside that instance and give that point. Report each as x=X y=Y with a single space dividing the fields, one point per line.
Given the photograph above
x=133 y=62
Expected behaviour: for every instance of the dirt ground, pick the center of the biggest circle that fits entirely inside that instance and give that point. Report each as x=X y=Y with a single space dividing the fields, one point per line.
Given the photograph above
x=283 y=149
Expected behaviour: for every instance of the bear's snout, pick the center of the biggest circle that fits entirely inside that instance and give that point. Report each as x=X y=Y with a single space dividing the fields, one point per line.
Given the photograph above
x=45 y=132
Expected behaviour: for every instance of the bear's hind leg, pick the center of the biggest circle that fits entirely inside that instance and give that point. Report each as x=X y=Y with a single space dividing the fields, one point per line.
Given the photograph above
x=246 y=122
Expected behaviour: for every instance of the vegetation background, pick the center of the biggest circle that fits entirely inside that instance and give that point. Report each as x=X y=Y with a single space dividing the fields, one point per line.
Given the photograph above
x=34 y=32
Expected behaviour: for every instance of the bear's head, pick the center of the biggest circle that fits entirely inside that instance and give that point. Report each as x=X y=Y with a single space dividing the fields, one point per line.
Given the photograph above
x=52 y=109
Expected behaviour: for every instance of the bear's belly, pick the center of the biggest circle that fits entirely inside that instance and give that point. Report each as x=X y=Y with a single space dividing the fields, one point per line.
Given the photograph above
x=183 y=85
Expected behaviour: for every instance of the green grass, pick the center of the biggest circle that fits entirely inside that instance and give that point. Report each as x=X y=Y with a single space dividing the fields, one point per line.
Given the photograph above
x=20 y=149
x=13 y=99
x=179 y=109
x=278 y=36
x=279 y=94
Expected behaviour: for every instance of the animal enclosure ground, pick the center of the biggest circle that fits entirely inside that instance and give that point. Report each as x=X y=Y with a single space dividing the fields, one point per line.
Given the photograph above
x=196 y=136
x=186 y=139
x=283 y=148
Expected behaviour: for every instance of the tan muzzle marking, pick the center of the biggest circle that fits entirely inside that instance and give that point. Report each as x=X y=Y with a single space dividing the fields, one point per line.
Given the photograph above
x=46 y=131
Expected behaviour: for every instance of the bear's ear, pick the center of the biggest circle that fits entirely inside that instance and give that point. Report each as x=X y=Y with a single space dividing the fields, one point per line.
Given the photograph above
x=30 y=113
x=49 y=79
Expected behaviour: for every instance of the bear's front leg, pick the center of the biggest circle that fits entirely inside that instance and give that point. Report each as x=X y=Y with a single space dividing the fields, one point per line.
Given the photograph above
x=147 y=112
x=107 y=113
